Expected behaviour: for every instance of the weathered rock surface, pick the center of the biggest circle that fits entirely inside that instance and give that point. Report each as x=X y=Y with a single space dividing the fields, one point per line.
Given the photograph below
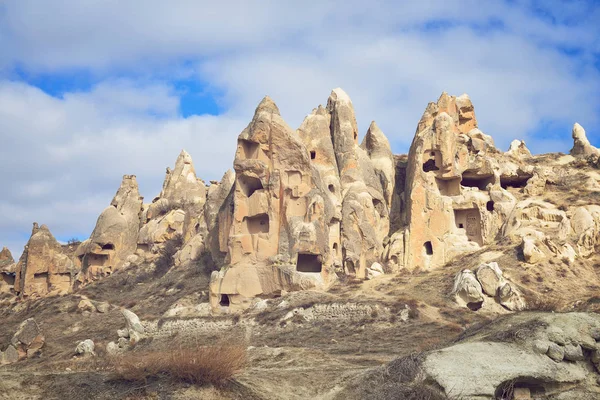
x=115 y=236
x=581 y=145
x=489 y=366
x=304 y=204
x=7 y=271
x=43 y=268
x=85 y=348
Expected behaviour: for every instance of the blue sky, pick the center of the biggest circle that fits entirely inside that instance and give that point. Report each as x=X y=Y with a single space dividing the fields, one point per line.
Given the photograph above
x=92 y=90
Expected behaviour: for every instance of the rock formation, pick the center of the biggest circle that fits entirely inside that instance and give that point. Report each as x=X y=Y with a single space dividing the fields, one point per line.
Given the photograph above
x=302 y=208
x=454 y=199
x=115 y=235
x=581 y=145
x=43 y=268
x=7 y=271
x=305 y=204
x=27 y=342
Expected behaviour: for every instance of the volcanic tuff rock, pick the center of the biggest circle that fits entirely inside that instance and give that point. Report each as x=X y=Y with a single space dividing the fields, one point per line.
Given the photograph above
x=43 y=268
x=302 y=208
x=115 y=235
x=305 y=204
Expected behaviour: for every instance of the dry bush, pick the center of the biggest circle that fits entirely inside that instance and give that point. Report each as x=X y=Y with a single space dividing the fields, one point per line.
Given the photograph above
x=542 y=303
x=195 y=365
x=165 y=258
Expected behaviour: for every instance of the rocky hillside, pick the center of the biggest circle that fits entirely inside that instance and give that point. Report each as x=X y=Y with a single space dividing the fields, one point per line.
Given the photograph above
x=324 y=268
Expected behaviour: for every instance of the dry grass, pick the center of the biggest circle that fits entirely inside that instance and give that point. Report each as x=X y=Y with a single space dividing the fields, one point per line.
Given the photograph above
x=196 y=365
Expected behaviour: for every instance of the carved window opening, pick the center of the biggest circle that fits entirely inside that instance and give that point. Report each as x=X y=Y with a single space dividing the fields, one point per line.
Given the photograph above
x=432 y=160
x=489 y=206
x=331 y=188
x=108 y=246
x=257 y=224
x=224 y=302
x=313 y=154
x=335 y=249
x=428 y=247
x=309 y=263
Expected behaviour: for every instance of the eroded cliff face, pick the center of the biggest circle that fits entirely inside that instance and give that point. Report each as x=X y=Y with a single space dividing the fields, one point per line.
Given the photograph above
x=44 y=268
x=302 y=208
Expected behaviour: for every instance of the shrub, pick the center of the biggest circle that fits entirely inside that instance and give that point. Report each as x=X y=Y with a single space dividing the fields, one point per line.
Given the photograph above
x=164 y=262
x=195 y=365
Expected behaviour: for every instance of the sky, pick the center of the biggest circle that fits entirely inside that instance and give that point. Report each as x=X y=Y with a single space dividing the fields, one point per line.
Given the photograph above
x=91 y=90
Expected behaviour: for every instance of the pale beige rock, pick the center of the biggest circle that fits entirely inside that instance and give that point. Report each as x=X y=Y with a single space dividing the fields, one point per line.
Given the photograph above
x=133 y=321
x=581 y=145
x=115 y=236
x=467 y=289
x=7 y=271
x=532 y=253
x=518 y=149
x=43 y=267
x=85 y=348
x=453 y=201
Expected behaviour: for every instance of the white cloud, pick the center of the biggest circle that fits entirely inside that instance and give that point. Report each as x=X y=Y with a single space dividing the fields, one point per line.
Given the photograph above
x=63 y=158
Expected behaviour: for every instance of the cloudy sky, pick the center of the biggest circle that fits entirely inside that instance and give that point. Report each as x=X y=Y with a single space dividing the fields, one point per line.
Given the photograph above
x=91 y=90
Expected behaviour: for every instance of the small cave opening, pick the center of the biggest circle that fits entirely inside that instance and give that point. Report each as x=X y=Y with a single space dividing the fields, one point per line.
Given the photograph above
x=514 y=181
x=224 y=302
x=432 y=159
x=108 y=246
x=335 y=249
x=355 y=135
x=475 y=305
x=428 y=247
x=313 y=154
x=378 y=205
x=489 y=206
x=257 y=224
x=522 y=388
x=331 y=188
x=350 y=268
x=8 y=278
x=250 y=148
x=475 y=181
x=249 y=185
x=309 y=263
x=429 y=165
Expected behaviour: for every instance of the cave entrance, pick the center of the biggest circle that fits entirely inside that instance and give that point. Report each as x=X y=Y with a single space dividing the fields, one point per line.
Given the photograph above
x=108 y=246
x=309 y=263
x=471 y=179
x=249 y=185
x=522 y=388
x=428 y=248
x=8 y=278
x=470 y=221
x=514 y=181
x=224 y=302
x=313 y=154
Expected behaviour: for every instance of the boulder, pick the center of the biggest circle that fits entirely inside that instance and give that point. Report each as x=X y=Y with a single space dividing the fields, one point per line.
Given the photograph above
x=133 y=322
x=28 y=340
x=374 y=270
x=467 y=290
x=490 y=277
x=518 y=149
x=531 y=252
x=85 y=348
